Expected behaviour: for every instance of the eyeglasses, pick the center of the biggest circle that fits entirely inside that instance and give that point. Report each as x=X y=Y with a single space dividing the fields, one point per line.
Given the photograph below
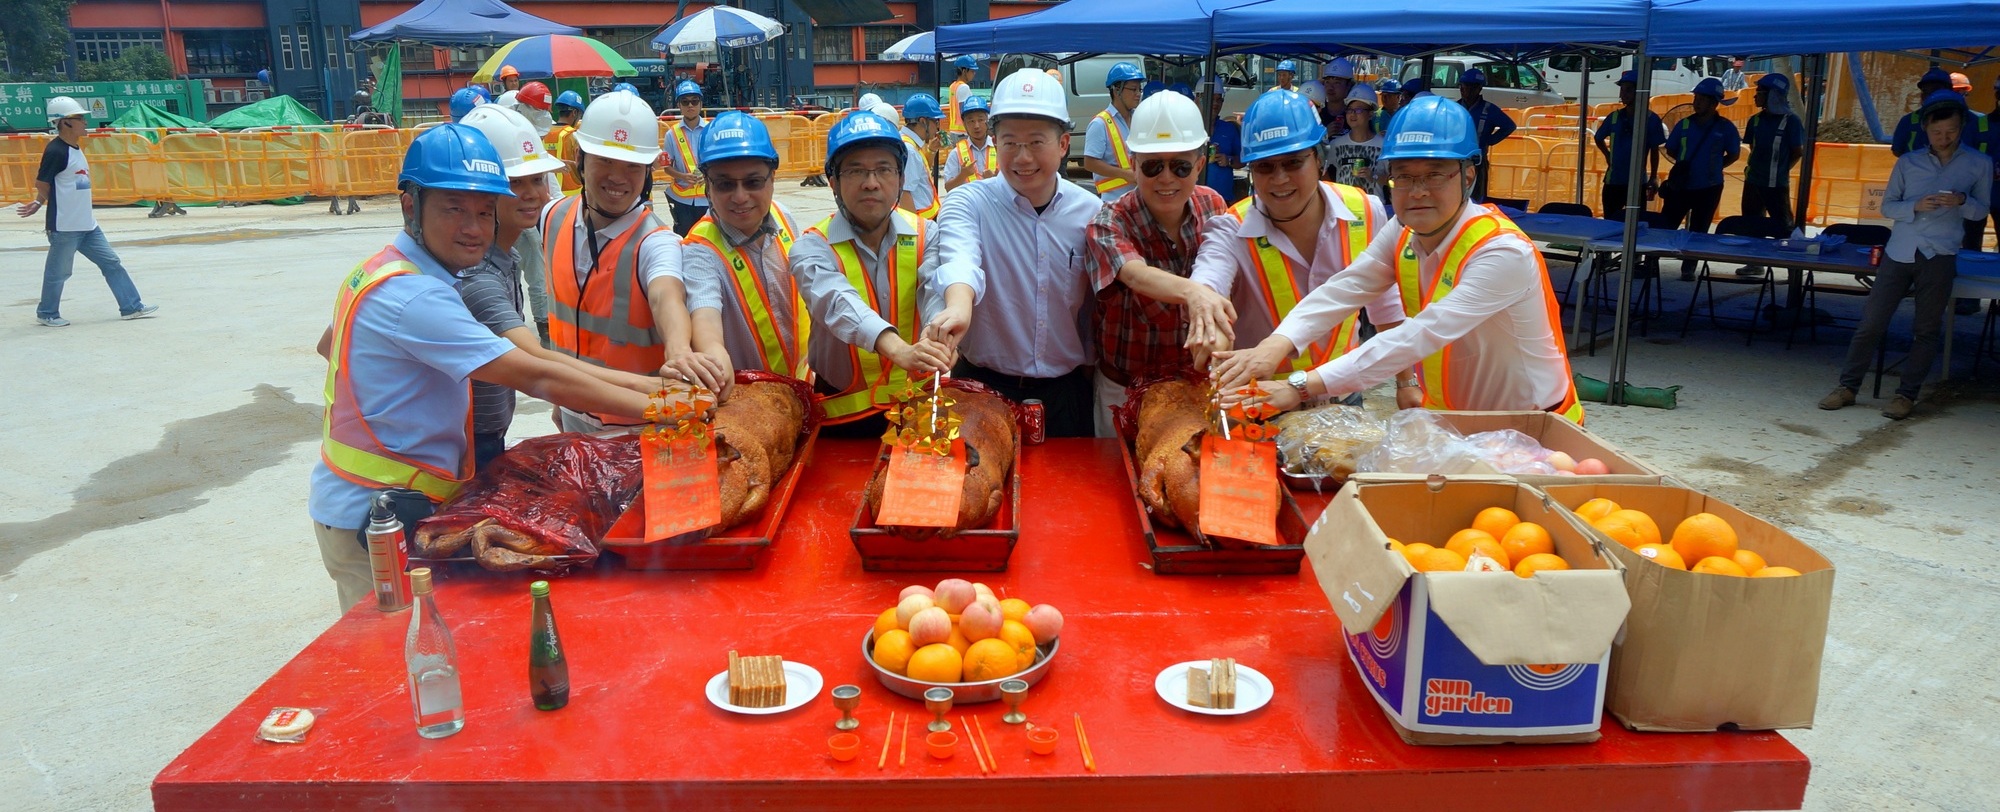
x=1432 y=181
x=754 y=183
x=1011 y=147
x=1361 y=109
x=1154 y=166
x=1272 y=167
x=1130 y=87
x=879 y=174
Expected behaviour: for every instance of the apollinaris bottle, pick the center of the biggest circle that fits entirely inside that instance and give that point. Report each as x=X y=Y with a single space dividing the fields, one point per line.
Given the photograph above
x=548 y=669
x=433 y=664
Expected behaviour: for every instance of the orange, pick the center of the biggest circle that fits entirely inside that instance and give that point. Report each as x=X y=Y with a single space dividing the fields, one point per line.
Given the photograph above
x=1538 y=562
x=885 y=622
x=1775 y=572
x=1017 y=637
x=1416 y=552
x=1749 y=561
x=957 y=641
x=936 y=662
x=990 y=658
x=1014 y=609
x=1630 y=528
x=1717 y=565
x=1395 y=546
x=1495 y=521
x=1440 y=561
x=1469 y=541
x=1596 y=509
x=893 y=650
x=1526 y=539
x=1469 y=534
x=1663 y=555
x=1703 y=535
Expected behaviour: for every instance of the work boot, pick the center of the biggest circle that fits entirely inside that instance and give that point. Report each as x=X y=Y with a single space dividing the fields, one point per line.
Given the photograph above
x=1750 y=271
x=333 y=206
x=1842 y=396
x=1899 y=408
x=1965 y=307
x=1687 y=272
x=353 y=206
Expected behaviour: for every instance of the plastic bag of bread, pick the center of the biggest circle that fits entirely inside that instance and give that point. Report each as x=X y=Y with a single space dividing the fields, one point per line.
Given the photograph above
x=1327 y=441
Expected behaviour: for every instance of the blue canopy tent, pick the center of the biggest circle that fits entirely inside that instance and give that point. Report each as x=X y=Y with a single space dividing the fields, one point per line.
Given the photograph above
x=461 y=22
x=1519 y=29
x=1165 y=28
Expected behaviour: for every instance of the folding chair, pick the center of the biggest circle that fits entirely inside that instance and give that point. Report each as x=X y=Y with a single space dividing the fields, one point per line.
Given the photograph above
x=1739 y=226
x=1856 y=234
x=1573 y=254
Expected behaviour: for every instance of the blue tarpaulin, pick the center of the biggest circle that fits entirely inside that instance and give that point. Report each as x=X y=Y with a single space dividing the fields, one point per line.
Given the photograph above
x=462 y=22
x=1160 y=27
x=1422 y=26
x=1704 y=27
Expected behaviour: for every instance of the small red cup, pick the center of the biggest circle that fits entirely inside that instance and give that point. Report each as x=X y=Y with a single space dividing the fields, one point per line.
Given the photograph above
x=844 y=746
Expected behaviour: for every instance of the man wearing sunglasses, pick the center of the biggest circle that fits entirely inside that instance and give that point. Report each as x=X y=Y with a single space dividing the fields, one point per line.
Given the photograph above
x=1481 y=326
x=1018 y=242
x=1292 y=234
x=1105 y=152
x=1141 y=250
x=741 y=251
x=62 y=191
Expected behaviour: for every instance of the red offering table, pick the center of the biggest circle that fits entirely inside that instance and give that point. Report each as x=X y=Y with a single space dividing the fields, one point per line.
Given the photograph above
x=638 y=732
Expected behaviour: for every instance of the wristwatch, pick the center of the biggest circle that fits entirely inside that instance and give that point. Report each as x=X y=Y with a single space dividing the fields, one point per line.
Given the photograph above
x=1298 y=381
x=1415 y=383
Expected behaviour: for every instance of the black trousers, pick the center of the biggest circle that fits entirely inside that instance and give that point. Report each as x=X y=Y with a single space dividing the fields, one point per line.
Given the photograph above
x=685 y=216
x=1774 y=202
x=1613 y=200
x=1697 y=206
x=1068 y=400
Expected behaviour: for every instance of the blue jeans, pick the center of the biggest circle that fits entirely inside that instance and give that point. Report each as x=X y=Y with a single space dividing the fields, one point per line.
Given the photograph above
x=63 y=248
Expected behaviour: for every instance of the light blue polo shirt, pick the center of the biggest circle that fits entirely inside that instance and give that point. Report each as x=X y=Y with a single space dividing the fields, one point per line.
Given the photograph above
x=412 y=349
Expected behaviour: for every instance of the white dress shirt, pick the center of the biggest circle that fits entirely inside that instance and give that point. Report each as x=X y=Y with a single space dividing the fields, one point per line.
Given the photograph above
x=1505 y=353
x=1225 y=265
x=1034 y=323
x=843 y=316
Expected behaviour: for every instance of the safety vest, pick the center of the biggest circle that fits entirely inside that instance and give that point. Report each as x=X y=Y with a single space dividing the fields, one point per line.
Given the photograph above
x=561 y=142
x=929 y=212
x=1469 y=239
x=863 y=397
x=983 y=169
x=953 y=122
x=606 y=321
x=347 y=445
x=776 y=355
x=1120 y=156
x=1281 y=288
x=685 y=149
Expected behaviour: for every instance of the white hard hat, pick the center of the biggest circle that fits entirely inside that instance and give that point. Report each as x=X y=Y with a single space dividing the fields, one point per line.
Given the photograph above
x=1340 y=68
x=620 y=126
x=1168 y=122
x=1314 y=91
x=887 y=111
x=509 y=98
x=1364 y=94
x=521 y=151
x=868 y=101
x=1029 y=92
x=64 y=107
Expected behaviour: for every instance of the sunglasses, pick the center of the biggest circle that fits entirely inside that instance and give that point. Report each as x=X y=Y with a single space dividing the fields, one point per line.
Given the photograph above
x=751 y=184
x=1152 y=168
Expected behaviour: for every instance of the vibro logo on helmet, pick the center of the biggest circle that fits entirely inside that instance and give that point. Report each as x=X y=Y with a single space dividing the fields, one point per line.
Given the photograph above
x=1270 y=133
x=480 y=165
x=737 y=132
x=1413 y=138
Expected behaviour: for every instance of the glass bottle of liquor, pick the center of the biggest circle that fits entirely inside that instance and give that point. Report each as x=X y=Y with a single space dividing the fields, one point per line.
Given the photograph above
x=548 y=669
x=433 y=664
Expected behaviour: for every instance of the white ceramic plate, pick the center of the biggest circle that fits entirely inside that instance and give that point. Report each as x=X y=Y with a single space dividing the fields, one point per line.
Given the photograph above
x=1253 y=689
x=802 y=683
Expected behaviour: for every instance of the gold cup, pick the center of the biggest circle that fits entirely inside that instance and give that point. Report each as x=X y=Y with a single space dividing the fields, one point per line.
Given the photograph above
x=845 y=699
x=938 y=701
x=1013 y=691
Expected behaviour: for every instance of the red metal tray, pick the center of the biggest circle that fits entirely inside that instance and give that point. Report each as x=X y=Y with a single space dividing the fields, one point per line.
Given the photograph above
x=983 y=550
x=736 y=548
x=1181 y=552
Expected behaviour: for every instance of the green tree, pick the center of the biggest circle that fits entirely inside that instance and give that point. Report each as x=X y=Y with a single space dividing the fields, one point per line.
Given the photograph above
x=138 y=63
x=35 y=33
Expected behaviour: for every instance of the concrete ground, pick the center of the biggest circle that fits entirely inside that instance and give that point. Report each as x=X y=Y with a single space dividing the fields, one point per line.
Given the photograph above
x=156 y=563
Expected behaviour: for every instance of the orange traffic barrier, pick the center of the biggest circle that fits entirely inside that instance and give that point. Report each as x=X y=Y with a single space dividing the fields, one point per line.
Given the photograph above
x=20 y=157
x=366 y=161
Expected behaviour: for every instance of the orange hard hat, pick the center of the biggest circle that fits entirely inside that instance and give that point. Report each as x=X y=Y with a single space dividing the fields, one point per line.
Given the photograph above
x=1960 y=83
x=508 y=71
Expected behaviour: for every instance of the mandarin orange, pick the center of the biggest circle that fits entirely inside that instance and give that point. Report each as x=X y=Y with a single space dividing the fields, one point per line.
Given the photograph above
x=1703 y=535
x=1539 y=562
x=1526 y=539
x=1717 y=565
x=1495 y=521
x=1663 y=555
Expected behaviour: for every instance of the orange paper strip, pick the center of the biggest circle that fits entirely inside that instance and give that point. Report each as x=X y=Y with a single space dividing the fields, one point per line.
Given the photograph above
x=683 y=491
x=1239 y=490
x=923 y=489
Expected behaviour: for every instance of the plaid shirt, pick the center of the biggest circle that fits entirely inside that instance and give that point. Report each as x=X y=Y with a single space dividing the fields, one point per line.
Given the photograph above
x=1139 y=337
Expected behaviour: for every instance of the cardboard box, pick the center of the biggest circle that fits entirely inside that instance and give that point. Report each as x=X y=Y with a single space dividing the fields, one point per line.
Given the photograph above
x=1468 y=658
x=1558 y=434
x=1702 y=652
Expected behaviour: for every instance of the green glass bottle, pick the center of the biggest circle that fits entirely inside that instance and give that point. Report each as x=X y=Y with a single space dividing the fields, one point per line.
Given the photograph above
x=548 y=669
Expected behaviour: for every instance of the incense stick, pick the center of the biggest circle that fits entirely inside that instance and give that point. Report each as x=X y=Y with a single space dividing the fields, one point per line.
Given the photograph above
x=988 y=745
x=903 y=750
x=967 y=726
x=883 y=762
x=1083 y=744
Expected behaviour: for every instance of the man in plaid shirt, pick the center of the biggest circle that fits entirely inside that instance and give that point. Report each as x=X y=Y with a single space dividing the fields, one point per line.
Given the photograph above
x=1140 y=250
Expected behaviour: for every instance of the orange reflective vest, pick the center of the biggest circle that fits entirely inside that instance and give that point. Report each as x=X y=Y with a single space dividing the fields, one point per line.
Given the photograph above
x=1121 y=156
x=929 y=212
x=1281 y=278
x=1469 y=239
x=347 y=445
x=774 y=353
x=606 y=321
x=862 y=397
x=980 y=169
x=684 y=147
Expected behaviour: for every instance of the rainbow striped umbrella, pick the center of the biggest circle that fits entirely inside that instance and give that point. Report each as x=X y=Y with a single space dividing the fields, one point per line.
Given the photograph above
x=556 y=55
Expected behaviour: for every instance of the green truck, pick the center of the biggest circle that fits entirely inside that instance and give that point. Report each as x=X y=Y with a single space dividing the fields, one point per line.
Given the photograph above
x=23 y=105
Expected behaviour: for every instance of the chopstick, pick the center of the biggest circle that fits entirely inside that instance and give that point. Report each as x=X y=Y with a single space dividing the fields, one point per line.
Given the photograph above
x=987 y=744
x=974 y=742
x=1083 y=744
x=883 y=762
x=903 y=752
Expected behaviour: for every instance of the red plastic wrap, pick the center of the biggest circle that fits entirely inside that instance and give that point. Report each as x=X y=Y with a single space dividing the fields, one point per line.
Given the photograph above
x=555 y=495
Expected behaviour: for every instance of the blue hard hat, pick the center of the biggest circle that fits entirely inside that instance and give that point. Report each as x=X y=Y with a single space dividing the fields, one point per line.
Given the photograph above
x=974 y=103
x=965 y=63
x=625 y=87
x=454 y=156
x=1630 y=77
x=1151 y=88
x=1123 y=72
x=1941 y=99
x=1430 y=127
x=1935 y=75
x=1387 y=86
x=1279 y=122
x=736 y=134
x=1182 y=88
x=1472 y=76
x=686 y=87
x=1774 y=81
x=485 y=96
x=1288 y=66
x=462 y=102
x=921 y=105
x=570 y=99
x=1712 y=88
x=1417 y=85
x=862 y=128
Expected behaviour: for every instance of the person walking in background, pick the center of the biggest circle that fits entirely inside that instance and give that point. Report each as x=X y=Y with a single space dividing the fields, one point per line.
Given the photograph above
x=1617 y=129
x=1777 y=140
x=1225 y=138
x=1930 y=192
x=1701 y=146
x=686 y=195
x=1104 y=151
x=62 y=193
x=954 y=102
x=1489 y=121
x=1733 y=79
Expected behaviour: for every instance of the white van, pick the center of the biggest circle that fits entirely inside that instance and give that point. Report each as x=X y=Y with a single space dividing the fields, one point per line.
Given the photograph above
x=1084 y=81
x=1507 y=84
x=1564 y=74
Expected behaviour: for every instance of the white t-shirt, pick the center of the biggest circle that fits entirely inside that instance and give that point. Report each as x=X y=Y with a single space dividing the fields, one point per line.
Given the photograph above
x=70 y=191
x=1343 y=152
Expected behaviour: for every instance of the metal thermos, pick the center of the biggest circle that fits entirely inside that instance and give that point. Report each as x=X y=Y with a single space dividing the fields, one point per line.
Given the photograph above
x=388 y=556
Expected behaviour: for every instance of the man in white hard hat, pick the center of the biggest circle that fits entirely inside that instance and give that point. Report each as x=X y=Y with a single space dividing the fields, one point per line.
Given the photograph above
x=62 y=190
x=1018 y=241
x=599 y=243
x=1142 y=248
x=1338 y=77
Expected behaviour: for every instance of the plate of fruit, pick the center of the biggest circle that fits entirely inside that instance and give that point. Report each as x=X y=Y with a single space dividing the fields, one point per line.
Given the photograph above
x=962 y=636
